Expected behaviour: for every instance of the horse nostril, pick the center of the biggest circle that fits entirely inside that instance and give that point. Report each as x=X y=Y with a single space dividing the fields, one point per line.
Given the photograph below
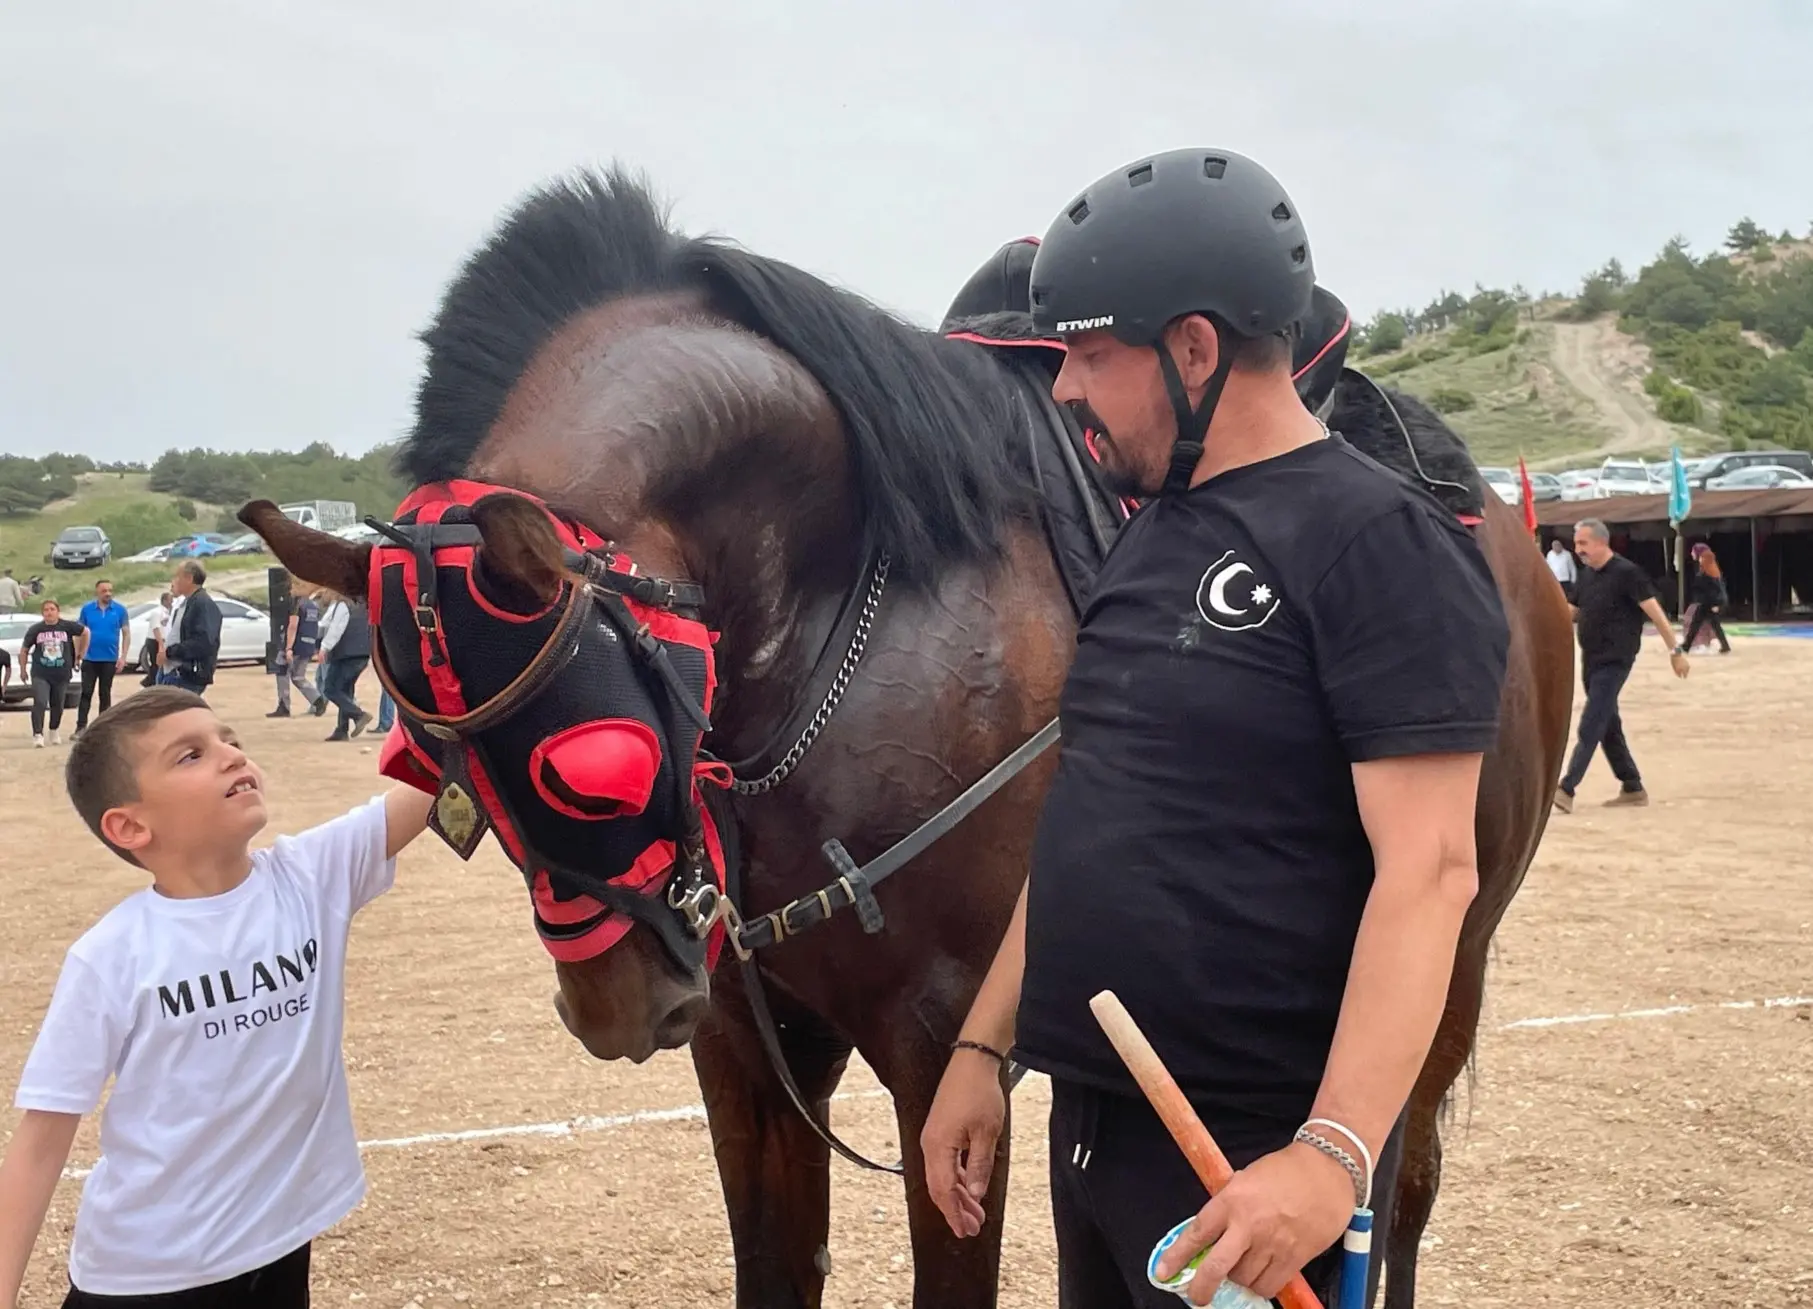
x=676 y=1029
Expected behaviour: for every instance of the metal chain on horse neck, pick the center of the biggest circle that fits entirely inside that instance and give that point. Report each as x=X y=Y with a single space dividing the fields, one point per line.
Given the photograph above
x=859 y=641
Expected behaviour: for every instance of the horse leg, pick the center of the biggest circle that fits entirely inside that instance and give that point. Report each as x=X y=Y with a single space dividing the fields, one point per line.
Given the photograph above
x=774 y=1169
x=949 y=1272
x=1420 y=1173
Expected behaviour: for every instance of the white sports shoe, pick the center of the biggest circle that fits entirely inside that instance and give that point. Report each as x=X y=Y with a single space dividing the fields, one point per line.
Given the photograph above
x=56 y=738
x=38 y=741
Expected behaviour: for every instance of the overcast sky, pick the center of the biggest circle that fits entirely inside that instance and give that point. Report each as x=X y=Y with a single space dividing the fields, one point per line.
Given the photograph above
x=223 y=223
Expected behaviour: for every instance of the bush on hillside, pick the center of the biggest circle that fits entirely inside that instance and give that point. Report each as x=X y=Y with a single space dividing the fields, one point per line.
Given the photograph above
x=1386 y=333
x=27 y=485
x=1451 y=400
x=1674 y=402
x=140 y=526
x=185 y=509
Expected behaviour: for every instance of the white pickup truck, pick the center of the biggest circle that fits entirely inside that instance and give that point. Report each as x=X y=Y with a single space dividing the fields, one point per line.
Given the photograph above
x=322 y=515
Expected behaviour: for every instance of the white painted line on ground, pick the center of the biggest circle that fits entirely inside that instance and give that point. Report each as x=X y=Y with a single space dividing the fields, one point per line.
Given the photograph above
x=693 y=1112
x=1667 y=1011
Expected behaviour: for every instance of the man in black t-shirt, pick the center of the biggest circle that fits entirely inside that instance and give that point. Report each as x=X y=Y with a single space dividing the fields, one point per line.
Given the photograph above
x=1260 y=832
x=1612 y=599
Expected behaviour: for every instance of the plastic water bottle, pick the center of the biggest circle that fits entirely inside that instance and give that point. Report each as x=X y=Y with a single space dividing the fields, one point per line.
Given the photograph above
x=1229 y=1295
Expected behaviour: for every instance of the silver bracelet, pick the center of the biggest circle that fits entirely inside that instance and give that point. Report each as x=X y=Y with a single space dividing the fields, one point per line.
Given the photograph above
x=1340 y=1156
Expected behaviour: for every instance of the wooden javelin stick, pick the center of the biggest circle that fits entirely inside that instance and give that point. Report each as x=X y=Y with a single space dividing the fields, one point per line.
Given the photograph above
x=1212 y=1166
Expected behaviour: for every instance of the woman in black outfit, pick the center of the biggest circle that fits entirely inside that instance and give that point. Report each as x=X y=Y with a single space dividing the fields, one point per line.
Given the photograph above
x=53 y=647
x=1709 y=597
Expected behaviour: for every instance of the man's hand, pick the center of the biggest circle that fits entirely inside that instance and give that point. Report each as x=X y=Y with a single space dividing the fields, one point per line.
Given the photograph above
x=959 y=1139
x=1677 y=660
x=1276 y=1215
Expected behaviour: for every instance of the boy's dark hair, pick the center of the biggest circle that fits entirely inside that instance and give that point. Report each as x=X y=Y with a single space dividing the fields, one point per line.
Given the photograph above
x=102 y=772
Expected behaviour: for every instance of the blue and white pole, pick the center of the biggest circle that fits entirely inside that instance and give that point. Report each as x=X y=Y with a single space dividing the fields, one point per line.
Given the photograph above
x=1356 y=1254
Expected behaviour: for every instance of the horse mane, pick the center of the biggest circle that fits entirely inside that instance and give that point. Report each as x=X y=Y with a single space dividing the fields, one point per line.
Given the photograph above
x=931 y=423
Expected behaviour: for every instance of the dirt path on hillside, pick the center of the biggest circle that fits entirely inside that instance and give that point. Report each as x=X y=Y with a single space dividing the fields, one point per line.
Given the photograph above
x=1607 y=368
x=247 y=581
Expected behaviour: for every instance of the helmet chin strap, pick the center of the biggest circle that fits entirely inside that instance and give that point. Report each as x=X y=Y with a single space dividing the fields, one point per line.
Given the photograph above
x=1192 y=424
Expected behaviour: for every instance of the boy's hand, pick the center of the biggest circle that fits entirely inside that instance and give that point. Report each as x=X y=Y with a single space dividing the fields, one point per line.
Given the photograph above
x=28 y=1178
x=405 y=818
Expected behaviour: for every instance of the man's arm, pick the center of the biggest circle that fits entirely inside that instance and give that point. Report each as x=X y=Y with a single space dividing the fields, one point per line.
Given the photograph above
x=1418 y=815
x=405 y=816
x=125 y=642
x=289 y=634
x=28 y=1178
x=970 y=1110
x=1677 y=657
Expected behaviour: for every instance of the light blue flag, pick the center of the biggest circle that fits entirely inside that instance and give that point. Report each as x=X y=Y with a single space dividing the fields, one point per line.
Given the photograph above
x=1680 y=495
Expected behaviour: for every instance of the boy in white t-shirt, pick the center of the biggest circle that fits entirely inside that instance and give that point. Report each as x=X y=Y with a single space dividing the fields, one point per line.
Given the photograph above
x=213 y=999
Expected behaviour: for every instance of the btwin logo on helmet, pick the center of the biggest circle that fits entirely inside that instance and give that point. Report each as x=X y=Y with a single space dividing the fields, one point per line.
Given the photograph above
x=1085 y=324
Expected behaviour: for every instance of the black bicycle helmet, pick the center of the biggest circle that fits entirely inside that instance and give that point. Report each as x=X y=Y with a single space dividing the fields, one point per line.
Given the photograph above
x=1195 y=231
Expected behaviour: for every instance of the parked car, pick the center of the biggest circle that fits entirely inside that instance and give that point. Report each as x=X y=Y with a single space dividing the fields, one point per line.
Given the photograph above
x=1545 y=487
x=1715 y=466
x=154 y=555
x=1758 y=478
x=1504 y=481
x=244 y=631
x=1578 y=484
x=18 y=687
x=80 y=547
x=322 y=515
x=246 y=543
x=202 y=545
x=1625 y=477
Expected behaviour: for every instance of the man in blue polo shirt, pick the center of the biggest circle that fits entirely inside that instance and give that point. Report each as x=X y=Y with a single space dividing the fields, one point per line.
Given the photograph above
x=109 y=644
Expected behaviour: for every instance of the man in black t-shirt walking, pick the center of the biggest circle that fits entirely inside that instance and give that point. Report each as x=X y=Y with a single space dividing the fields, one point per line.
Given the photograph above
x=1260 y=831
x=1612 y=599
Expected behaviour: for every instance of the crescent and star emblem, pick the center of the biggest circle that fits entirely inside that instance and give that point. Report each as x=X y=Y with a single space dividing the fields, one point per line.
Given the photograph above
x=1231 y=598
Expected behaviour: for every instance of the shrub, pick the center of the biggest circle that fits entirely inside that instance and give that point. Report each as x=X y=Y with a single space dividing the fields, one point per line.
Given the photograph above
x=140 y=526
x=1450 y=400
x=185 y=509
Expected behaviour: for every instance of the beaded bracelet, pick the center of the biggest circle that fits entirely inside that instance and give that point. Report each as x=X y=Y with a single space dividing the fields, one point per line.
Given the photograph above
x=980 y=1048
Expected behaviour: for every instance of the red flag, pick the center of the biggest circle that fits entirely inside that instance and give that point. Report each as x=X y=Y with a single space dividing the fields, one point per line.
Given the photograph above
x=1529 y=497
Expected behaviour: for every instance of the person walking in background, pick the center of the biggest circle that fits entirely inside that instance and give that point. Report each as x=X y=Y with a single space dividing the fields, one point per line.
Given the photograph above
x=299 y=642
x=387 y=711
x=1561 y=562
x=345 y=650
x=12 y=595
x=191 y=656
x=50 y=652
x=1709 y=599
x=1612 y=598
x=109 y=639
x=160 y=626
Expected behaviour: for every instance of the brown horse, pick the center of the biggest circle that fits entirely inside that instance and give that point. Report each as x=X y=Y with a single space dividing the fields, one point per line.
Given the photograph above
x=731 y=420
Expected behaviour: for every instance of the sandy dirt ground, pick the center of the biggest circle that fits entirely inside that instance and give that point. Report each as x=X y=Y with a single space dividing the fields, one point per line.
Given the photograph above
x=1651 y=1159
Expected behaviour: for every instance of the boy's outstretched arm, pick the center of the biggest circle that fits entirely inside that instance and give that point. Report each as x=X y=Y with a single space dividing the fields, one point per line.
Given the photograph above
x=405 y=817
x=28 y=1178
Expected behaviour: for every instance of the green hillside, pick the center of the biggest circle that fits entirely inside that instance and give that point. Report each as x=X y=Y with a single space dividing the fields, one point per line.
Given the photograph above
x=1705 y=353
x=134 y=517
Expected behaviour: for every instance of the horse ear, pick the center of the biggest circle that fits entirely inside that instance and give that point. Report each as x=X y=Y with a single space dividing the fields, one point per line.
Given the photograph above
x=326 y=560
x=521 y=551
